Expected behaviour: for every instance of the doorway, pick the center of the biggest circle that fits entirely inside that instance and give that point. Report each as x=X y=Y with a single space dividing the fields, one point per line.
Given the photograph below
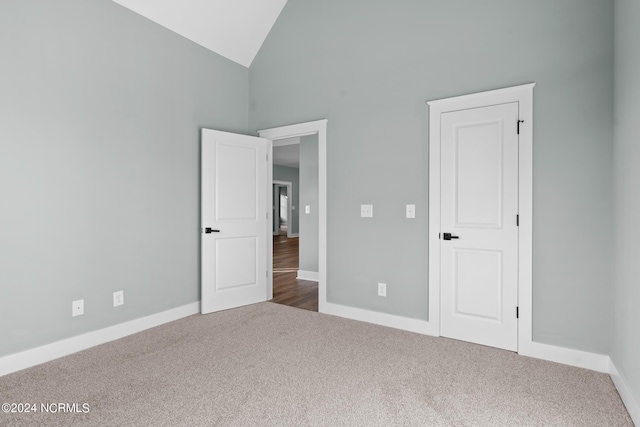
x=284 y=207
x=295 y=241
x=283 y=204
x=317 y=209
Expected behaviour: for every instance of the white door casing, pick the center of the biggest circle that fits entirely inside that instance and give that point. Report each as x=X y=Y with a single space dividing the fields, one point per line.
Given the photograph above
x=235 y=220
x=479 y=205
x=523 y=96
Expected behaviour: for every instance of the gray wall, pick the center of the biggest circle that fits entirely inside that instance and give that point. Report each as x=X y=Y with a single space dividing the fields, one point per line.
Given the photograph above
x=284 y=173
x=100 y=111
x=368 y=67
x=626 y=332
x=308 y=250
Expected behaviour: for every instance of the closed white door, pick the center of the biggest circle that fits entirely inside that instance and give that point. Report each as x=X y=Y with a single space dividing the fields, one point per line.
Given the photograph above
x=479 y=234
x=234 y=220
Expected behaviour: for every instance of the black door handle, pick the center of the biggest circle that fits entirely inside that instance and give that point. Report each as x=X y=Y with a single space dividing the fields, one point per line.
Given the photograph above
x=210 y=230
x=449 y=236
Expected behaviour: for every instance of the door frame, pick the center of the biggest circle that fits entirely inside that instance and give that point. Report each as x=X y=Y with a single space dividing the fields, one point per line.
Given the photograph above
x=523 y=95
x=289 y=186
x=318 y=127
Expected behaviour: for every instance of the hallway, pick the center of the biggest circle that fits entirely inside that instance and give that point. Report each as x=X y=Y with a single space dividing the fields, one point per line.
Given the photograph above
x=288 y=290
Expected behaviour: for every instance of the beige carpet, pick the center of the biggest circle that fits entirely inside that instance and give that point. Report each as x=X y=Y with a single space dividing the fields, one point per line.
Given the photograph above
x=273 y=365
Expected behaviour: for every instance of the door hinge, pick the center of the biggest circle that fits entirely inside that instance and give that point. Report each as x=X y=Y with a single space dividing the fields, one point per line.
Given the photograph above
x=517 y=312
x=517 y=220
x=519 y=121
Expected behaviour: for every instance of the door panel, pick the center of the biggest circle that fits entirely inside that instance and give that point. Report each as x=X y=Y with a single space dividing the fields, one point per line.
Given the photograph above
x=478 y=283
x=479 y=204
x=234 y=208
x=227 y=252
x=478 y=157
x=236 y=186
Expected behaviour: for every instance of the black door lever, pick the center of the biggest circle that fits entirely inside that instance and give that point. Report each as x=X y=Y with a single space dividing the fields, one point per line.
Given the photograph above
x=449 y=236
x=210 y=230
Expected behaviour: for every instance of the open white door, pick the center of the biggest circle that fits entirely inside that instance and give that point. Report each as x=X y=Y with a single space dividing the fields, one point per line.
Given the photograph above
x=234 y=220
x=479 y=232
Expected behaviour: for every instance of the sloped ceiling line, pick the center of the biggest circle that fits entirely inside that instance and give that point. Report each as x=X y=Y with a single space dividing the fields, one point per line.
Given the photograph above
x=234 y=29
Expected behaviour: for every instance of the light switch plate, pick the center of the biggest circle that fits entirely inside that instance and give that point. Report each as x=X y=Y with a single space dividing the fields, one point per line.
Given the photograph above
x=307 y=209
x=411 y=211
x=366 y=211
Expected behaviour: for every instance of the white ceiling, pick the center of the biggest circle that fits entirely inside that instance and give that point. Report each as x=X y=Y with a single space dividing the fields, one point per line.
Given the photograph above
x=234 y=29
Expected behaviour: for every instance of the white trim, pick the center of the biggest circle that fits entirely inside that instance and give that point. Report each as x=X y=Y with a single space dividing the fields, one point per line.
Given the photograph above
x=311 y=276
x=568 y=356
x=392 y=321
x=633 y=407
x=28 y=358
x=565 y=356
x=301 y=129
x=269 y=185
x=294 y=235
x=523 y=95
x=289 y=186
x=295 y=130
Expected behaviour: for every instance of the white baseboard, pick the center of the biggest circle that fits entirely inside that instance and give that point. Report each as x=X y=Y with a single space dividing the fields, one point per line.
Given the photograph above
x=633 y=407
x=18 y=361
x=294 y=235
x=312 y=276
x=383 y=319
x=568 y=356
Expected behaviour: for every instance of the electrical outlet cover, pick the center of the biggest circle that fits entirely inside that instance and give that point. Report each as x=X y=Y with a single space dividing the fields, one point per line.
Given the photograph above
x=77 y=308
x=118 y=298
x=382 y=289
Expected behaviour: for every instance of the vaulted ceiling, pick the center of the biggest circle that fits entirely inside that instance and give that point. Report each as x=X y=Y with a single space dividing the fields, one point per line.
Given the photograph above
x=234 y=29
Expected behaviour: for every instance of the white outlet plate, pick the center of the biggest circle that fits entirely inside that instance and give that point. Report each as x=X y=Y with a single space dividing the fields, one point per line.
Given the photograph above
x=366 y=211
x=382 y=289
x=307 y=209
x=411 y=211
x=77 y=308
x=118 y=298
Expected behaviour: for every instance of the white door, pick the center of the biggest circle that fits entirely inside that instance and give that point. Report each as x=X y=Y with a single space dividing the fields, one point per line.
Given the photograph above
x=479 y=207
x=234 y=220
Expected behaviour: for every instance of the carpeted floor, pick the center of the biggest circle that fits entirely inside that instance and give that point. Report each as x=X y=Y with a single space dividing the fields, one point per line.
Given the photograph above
x=269 y=364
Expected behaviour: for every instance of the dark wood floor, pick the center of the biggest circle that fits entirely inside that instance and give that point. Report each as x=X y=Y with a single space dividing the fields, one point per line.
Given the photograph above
x=287 y=289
